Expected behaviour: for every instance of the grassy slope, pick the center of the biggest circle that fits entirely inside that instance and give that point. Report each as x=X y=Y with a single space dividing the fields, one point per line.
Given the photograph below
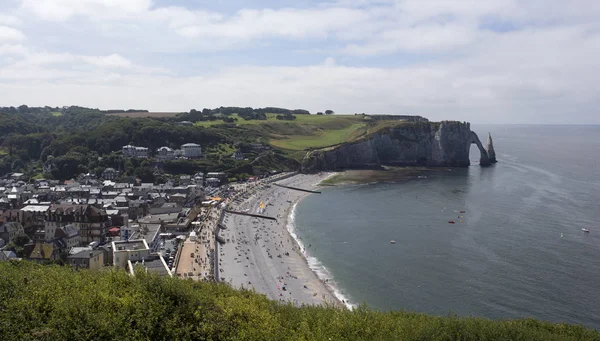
x=57 y=303
x=318 y=139
x=305 y=132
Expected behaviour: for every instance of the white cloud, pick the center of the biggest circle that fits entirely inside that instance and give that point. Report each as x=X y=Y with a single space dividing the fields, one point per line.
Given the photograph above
x=9 y=34
x=12 y=49
x=243 y=25
x=31 y=65
x=475 y=89
x=430 y=38
x=9 y=20
x=439 y=58
x=60 y=10
x=291 y=23
x=329 y=61
x=113 y=60
x=423 y=9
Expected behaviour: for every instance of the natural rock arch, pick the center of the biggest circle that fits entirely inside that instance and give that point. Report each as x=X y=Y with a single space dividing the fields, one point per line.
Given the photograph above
x=490 y=149
x=484 y=159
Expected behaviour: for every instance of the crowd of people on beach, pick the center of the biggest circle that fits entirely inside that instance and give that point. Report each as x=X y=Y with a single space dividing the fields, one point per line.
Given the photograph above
x=261 y=248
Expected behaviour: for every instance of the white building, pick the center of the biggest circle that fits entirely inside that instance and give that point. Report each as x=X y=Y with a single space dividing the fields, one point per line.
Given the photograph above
x=129 y=251
x=191 y=150
x=110 y=174
x=129 y=150
x=128 y=230
x=141 y=152
x=133 y=151
x=165 y=153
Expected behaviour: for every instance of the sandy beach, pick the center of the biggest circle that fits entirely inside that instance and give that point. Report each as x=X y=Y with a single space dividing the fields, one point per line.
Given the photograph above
x=262 y=255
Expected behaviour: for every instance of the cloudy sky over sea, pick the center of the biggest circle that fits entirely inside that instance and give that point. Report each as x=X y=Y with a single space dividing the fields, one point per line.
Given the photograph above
x=496 y=61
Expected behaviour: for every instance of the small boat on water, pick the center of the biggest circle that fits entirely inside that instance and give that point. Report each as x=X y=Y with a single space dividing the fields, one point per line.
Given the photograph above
x=451 y=222
x=392 y=241
x=585 y=230
x=462 y=211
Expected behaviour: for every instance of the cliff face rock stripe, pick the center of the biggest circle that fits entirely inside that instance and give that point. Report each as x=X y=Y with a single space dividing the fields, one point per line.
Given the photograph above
x=490 y=149
x=444 y=144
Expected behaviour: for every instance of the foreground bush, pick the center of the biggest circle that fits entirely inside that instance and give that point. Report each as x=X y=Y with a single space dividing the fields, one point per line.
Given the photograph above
x=57 y=303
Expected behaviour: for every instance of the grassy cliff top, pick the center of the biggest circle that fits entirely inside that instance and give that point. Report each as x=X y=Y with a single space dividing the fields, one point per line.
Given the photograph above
x=58 y=303
x=308 y=132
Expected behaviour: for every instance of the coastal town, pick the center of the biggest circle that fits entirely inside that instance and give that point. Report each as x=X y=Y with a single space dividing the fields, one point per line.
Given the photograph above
x=178 y=229
x=299 y=170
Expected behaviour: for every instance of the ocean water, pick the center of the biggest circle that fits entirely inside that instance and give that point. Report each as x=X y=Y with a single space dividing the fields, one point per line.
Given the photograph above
x=517 y=251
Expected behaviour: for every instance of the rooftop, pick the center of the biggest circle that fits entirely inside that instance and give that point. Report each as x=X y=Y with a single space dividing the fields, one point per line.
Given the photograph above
x=78 y=249
x=85 y=254
x=35 y=208
x=159 y=218
x=155 y=266
x=138 y=244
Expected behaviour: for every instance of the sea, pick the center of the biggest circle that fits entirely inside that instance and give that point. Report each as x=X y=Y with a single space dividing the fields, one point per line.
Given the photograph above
x=517 y=251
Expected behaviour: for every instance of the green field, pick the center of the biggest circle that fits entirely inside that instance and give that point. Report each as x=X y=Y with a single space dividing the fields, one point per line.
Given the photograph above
x=321 y=138
x=305 y=132
x=56 y=113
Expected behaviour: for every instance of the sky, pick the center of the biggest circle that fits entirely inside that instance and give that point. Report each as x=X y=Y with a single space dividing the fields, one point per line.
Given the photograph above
x=496 y=61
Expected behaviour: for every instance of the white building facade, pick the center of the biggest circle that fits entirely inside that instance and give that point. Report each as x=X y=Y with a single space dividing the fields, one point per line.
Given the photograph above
x=125 y=251
x=133 y=151
x=165 y=153
x=191 y=150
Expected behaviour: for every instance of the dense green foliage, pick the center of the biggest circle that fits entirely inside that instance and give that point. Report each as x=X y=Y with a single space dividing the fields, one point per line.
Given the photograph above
x=16 y=124
x=247 y=113
x=82 y=140
x=61 y=143
x=58 y=303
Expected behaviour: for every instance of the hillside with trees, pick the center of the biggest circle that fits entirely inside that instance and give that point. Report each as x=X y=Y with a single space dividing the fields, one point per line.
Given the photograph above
x=75 y=140
x=63 y=142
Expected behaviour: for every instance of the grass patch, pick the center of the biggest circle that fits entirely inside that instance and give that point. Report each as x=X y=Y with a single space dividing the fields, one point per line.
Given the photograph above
x=321 y=138
x=305 y=132
x=56 y=114
x=39 y=176
x=57 y=303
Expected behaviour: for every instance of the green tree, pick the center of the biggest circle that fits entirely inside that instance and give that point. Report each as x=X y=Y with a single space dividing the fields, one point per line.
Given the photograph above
x=329 y=112
x=17 y=245
x=68 y=166
x=146 y=174
x=17 y=165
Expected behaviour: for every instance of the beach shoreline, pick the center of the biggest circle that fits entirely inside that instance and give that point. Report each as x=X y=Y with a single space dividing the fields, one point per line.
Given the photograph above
x=302 y=250
x=323 y=277
x=266 y=256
